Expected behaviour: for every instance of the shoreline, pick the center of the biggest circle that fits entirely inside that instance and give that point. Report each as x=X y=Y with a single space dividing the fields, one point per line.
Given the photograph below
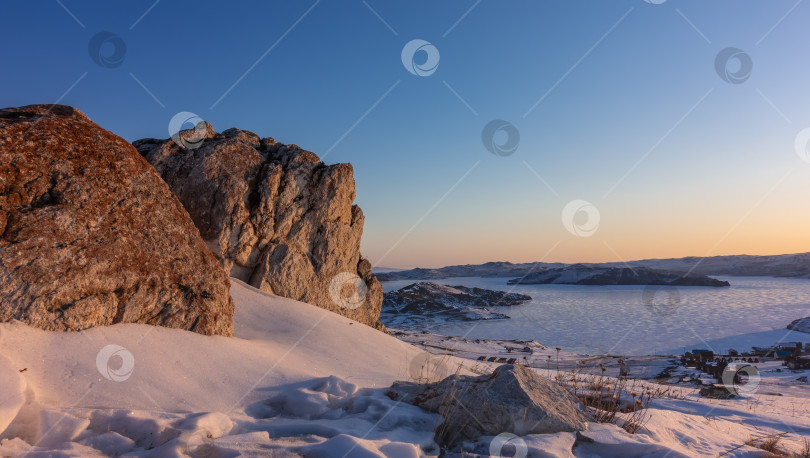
x=670 y=324
x=775 y=379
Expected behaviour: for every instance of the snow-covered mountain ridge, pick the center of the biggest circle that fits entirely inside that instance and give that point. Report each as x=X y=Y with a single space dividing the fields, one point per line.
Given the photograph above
x=580 y=274
x=787 y=265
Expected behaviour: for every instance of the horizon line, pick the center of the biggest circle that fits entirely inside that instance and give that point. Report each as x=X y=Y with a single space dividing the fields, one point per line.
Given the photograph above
x=596 y=262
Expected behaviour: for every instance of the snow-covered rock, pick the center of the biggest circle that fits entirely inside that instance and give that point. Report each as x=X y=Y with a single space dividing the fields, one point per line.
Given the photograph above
x=801 y=325
x=418 y=304
x=610 y=441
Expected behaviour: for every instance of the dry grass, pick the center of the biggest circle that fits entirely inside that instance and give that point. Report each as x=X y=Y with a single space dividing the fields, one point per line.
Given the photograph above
x=426 y=369
x=429 y=368
x=615 y=400
x=769 y=444
x=449 y=407
x=805 y=453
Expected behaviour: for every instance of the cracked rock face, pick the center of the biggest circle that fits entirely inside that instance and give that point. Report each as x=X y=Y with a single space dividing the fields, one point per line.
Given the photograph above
x=275 y=216
x=91 y=236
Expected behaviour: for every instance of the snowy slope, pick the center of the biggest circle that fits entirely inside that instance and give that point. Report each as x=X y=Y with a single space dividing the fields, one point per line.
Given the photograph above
x=296 y=380
x=12 y=395
x=278 y=341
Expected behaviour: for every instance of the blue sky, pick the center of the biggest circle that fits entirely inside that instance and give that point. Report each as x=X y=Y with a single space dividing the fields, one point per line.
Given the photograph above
x=632 y=115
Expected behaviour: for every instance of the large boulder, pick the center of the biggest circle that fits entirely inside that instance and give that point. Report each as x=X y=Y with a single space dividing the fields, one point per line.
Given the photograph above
x=275 y=215
x=513 y=399
x=91 y=236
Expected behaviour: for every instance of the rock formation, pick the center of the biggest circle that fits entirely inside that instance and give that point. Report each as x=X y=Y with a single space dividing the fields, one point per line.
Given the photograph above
x=513 y=399
x=800 y=324
x=275 y=216
x=421 y=305
x=90 y=235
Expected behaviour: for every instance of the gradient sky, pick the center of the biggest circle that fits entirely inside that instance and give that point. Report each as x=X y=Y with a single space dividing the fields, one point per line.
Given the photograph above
x=632 y=114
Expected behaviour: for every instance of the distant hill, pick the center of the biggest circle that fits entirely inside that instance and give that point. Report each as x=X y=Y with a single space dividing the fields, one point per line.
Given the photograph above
x=580 y=274
x=787 y=265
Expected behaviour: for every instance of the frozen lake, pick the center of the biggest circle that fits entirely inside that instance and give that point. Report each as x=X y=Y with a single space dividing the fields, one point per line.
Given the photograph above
x=638 y=320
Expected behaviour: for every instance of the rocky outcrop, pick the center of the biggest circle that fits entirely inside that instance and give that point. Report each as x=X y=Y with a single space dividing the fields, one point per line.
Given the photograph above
x=424 y=304
x=579 y=274
x=90 y=235
x=275 y=216
x=513 y=399
x=801 y=325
